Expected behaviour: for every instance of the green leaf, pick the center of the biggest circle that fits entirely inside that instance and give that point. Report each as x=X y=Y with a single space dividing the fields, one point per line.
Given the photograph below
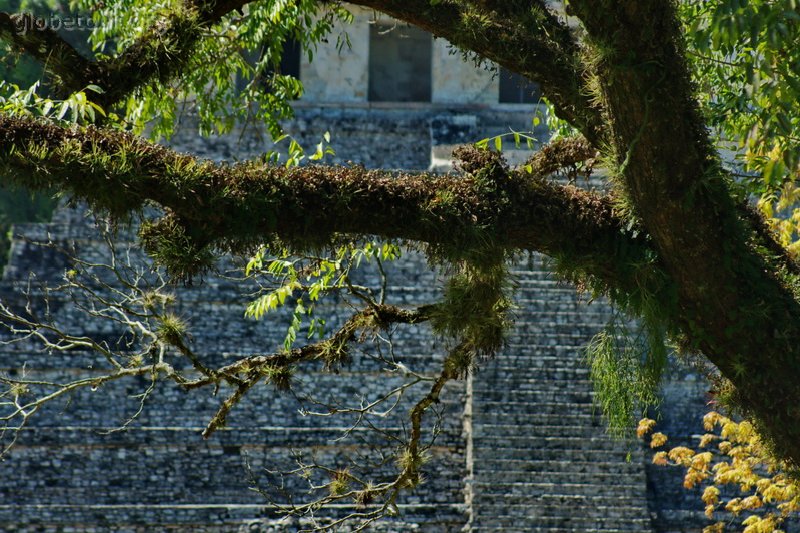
x=97 y=108
x=62 y=110
x=784 y=123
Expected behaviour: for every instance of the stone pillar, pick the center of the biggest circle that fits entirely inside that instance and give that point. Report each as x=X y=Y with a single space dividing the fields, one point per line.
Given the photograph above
x=459 y=81
x=339 y=75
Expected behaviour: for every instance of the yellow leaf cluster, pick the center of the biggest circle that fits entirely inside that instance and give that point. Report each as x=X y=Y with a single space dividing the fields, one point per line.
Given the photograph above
x=658 y=439
x=645 y=426
x=660 y=459
x=719 y=527
x=783 y=216
x=681 y=455
x=711 y=419
x=766 y=497
x=711 y=495
x=766 y=524
x=706 y=439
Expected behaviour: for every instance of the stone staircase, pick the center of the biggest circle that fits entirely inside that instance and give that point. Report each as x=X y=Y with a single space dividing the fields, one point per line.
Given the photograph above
x=540 y=456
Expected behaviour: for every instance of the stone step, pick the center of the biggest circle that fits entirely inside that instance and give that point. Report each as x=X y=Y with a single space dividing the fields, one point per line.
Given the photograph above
x=189 y=439
x=524 y=371
x=602 y=474
x=518 y=349
x=180 y=490
x=522 y=467
x=491 y=450
x=489 y=430
x=575 y=493
x=608 y=515
x=546 y=296
x=532 y=383
x=519 y=369
x=511 y=524
x=568 y=395
x=644 y=527
x=540 y=355
x=484 y=415
x=528 y=501
x=516 y=374
x=195 y=517
x=513 y=376
x=523 y=392
x=531 y=311
x=538 y=408
x=570 y=326
x=34 y=359
x=502 y=442
x=621 y=514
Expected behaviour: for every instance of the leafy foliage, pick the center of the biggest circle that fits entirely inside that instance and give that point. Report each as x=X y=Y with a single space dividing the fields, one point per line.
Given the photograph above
x=313 y=278
x=625 y=366
x=76 y=109
x=232 y=74
x=733 y=457
x=744 y=58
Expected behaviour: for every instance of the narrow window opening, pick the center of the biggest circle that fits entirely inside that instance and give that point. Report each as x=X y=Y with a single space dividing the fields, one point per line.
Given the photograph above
x=515 y=89
x=289 y=65
x=290 y=60
x=399 y=64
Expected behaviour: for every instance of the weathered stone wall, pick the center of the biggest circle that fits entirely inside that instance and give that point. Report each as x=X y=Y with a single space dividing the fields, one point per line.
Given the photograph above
x=529 y=453
x=389 y=136
x=63 y=472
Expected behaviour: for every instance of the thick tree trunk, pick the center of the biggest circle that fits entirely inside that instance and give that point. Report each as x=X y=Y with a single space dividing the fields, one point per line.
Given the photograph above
x=735 y=303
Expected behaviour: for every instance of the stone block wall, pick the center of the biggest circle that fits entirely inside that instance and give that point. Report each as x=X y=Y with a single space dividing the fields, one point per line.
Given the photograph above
x=159 y=473
x=340 y=74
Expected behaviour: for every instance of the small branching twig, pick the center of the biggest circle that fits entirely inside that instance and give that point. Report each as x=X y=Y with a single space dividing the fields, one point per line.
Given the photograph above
x=138 y=301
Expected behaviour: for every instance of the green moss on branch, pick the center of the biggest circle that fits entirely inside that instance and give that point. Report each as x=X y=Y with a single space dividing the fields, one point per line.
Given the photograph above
x=219 y=207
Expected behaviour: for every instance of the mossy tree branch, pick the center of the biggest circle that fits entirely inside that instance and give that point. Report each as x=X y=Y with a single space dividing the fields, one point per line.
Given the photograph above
x=159 y=54
x=216 y=207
